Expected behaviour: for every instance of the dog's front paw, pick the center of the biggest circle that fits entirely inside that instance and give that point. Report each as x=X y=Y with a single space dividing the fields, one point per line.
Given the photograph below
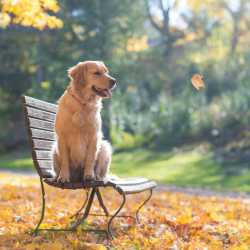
x=99 y=178
x=88 y=177
x=63 y=178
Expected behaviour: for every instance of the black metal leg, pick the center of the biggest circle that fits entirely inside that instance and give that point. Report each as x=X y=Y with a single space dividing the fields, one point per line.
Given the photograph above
x=140 y=207
x=35 y=232
x=37 y=229
x=87 y=210
x=99 y=197
x=83 y=206
x=88 y=203
x=110 y=233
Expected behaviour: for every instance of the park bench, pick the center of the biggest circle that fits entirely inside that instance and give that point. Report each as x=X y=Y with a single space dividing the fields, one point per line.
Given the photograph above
x=40 y=118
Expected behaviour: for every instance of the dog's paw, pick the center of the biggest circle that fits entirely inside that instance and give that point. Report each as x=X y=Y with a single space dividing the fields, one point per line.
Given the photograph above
x=89 y=178
x=99 y=178
x=63 y=178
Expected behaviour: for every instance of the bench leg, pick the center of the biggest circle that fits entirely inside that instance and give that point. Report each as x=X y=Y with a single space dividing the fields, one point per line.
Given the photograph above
x=88 y=203
x=87 y=210
x=82 y=207
x=142 y=205
x=110 y=231
x=99 y=197
x=35 y=231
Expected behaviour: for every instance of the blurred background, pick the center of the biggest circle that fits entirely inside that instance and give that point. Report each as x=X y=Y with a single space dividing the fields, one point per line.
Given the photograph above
x=159 y=125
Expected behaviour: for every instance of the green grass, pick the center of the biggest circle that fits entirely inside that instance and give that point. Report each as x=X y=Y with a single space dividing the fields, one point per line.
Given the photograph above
x=17 y=160
x=190 y=168
x=182 y=168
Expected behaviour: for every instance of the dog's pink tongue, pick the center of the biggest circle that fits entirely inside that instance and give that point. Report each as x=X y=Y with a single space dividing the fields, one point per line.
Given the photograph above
x=108 y=93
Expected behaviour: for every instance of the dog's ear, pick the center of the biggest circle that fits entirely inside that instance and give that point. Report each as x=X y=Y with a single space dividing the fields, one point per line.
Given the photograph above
x=77 y=73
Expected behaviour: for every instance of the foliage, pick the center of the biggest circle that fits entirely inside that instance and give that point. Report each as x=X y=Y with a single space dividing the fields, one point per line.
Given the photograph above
x=170 y=220
x=154 y=105
x=27 y=13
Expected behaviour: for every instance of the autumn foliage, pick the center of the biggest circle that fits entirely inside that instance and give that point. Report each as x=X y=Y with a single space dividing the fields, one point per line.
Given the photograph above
x=169 y=221
x=35 y=13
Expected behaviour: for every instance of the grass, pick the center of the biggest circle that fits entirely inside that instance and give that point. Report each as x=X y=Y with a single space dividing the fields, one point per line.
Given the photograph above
x=17 y=160
x=189 y=168
x=182 y=168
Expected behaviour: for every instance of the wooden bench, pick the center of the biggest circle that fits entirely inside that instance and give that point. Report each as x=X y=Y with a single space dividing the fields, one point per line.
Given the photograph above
x=40 y=119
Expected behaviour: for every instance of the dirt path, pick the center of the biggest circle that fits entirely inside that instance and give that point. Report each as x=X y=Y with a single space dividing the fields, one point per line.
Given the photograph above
x=202 y=191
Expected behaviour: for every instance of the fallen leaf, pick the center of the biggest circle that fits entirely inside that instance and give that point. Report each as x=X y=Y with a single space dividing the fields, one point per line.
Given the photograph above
x=169 y=221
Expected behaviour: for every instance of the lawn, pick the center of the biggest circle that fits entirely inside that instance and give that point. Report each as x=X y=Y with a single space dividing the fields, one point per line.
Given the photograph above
x=185 y=167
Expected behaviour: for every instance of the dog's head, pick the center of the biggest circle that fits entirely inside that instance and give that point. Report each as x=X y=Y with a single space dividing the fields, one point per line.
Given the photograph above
x=92 y=77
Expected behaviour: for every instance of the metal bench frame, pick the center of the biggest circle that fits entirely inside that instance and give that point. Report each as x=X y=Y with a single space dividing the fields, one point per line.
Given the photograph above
x=39 y=122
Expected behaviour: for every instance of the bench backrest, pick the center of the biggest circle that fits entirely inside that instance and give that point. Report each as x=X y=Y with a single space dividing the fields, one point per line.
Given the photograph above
x=40 y=121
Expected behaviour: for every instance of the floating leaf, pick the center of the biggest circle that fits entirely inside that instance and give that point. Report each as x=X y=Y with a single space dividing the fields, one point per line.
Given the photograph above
x=198 y=81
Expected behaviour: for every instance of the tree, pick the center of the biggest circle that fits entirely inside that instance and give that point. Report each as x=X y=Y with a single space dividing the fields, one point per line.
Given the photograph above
x=234 y=14
x=35 y=13
x=170 y=35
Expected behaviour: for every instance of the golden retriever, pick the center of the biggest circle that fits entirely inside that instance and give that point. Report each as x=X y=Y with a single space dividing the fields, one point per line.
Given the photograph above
x=80 y=153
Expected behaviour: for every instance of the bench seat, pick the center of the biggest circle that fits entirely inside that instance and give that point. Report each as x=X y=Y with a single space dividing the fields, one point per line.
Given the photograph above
x=126 y=185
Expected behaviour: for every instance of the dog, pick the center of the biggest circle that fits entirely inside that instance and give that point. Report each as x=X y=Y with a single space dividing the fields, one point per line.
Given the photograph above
x=80 y=153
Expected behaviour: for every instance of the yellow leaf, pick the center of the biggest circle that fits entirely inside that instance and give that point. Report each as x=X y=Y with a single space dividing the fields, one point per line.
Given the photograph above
x=47 y=246
x=35 y=13
x=93 y=246
x=4 y=20
x=241 y=247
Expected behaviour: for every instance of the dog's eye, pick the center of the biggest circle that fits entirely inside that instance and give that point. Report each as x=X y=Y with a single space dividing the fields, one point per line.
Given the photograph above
x=97 y=73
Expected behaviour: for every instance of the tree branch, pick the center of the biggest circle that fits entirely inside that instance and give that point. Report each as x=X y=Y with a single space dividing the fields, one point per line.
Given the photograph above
x=165 y=13
x=152 y=21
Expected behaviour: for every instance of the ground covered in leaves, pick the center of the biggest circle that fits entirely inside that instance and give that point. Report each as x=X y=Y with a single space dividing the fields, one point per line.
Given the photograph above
x=170 y=221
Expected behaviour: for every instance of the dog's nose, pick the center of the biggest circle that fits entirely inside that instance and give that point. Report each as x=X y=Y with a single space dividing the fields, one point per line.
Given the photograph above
x=112 y=82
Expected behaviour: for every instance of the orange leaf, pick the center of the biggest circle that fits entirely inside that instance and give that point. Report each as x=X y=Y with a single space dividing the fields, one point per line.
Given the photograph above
x=198 y=81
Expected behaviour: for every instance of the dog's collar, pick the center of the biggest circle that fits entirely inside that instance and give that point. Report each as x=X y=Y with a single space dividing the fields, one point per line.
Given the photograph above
x=76 y=97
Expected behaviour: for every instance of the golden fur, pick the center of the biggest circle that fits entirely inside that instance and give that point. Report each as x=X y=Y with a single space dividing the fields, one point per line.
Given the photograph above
x=80 y=148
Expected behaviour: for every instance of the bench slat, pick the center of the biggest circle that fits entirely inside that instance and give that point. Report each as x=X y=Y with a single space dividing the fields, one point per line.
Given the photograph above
x=129 y=181
x=40 y=114
x=45 y=167
x=43 y=155
x=42 y=144
x=46 y=173
x=36 y=123
x=45 y=164
x=131 y=189
x=29 y=101
x=42 y=134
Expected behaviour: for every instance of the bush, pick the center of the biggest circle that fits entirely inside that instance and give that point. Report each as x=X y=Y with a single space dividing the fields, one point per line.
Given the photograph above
x=170 y=121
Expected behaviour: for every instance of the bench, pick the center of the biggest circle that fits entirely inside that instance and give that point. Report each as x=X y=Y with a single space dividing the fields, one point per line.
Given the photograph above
x=40 y=120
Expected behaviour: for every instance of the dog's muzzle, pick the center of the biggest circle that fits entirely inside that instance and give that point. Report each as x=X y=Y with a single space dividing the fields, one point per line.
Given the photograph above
x=105 y=93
